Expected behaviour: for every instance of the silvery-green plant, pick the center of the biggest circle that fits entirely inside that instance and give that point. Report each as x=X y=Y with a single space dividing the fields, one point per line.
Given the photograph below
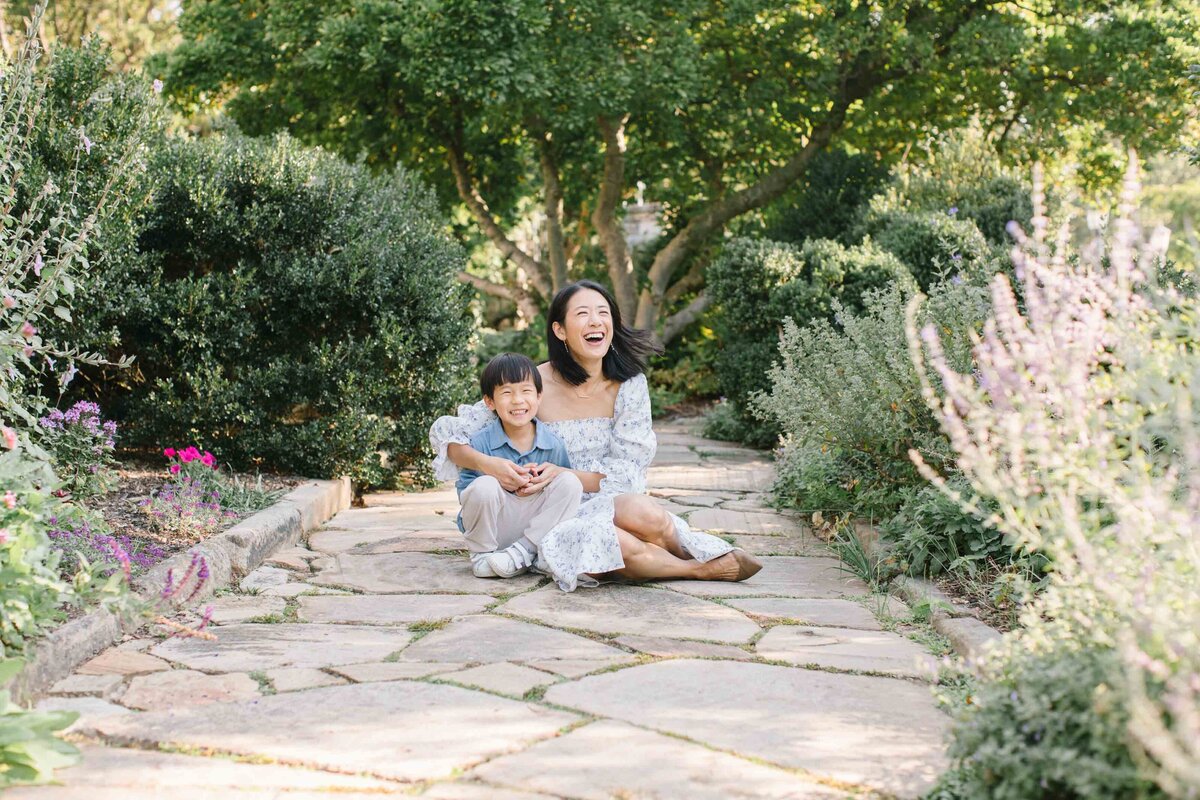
x=1079 y=422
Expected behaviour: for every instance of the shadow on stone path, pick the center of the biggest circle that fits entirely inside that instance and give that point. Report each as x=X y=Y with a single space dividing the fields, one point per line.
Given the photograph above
x=369 y=661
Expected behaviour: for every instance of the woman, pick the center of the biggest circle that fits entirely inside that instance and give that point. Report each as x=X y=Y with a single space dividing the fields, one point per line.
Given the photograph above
x=596 y=399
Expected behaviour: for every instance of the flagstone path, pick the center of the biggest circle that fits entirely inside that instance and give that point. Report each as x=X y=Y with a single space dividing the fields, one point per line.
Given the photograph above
x=369 y=661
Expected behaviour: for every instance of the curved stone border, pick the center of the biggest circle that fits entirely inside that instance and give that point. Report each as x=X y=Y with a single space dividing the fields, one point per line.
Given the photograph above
x=230 y=554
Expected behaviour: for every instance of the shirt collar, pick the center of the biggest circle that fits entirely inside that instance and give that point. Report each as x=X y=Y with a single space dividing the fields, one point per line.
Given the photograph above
x=497 y=437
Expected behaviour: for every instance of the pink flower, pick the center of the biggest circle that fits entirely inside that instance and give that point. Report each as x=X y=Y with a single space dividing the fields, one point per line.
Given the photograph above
x=27 y=330
x=9 y=302
x=190 y=454
x=174 y=469
x=169 y=452
x=86 y=142
x=3 y=536
x=208 y=460
x=157 y=86
x=28 y=351
x=10 y=500
x=38 y=264
x=10 y=437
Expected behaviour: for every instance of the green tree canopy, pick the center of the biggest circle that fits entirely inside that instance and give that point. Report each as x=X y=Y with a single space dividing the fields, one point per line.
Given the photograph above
x=718 y=106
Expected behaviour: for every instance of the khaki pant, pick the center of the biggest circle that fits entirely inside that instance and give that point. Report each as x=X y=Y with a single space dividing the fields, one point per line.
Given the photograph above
x=494 y=518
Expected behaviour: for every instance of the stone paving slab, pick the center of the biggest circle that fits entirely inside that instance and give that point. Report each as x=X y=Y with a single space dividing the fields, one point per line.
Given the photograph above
x=616 y=609
x=578 y=667
x=419 y=542
x=185 y=687
x=393 y=671
x=782 y=576
x=742 y=478
x=607 y=760
x=246 y=647
x=390 y=609
x=486 y=640
x=465 y=790
x=664 y=647
x=88 y=685
x=231 y=609
x=90 y=709
x=391 y=519
x=758 y=523
x=122 y=662
x=402 y=729
x=141 y=774
x=298 y=678
x=265 y=578
x=333 y=541
x=799 y=545
x=505 y=678
x=835 y=613
x=847 y=648
x=416 y=572
x=882 y=732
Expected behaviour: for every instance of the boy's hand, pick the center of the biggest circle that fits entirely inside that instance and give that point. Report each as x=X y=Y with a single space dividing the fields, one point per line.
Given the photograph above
x=511 y=476
x=542 y=475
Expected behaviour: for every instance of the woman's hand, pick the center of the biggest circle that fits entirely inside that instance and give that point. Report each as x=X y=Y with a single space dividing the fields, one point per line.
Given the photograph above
x=512 y=477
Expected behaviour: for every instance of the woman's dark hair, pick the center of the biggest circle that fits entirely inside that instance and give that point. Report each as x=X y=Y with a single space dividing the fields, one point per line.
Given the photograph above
x=508 y=368
x=627 y=354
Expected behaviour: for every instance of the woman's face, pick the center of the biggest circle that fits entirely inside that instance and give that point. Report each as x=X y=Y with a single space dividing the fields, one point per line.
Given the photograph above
x=587 y=326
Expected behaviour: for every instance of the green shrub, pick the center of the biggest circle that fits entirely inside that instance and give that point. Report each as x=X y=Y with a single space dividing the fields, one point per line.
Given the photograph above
x=850 y=404
x=288 y=309
x=934 y=245
x=932 y=534
x=829 y=200
x=755 y=285
x=1049 y=724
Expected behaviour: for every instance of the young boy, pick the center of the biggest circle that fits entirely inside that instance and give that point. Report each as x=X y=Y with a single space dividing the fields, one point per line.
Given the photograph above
x=503 y=530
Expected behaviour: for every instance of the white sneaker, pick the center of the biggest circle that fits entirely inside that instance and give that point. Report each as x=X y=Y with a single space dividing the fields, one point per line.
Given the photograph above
x=480 y=567
x=511 y=561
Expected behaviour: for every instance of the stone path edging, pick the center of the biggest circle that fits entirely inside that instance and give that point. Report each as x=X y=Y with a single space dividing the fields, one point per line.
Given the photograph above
x=968 y=635
x=231 y=555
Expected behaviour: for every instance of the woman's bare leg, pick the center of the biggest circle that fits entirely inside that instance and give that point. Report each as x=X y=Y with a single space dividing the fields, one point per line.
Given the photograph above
x=645 y=561
x=640 y=515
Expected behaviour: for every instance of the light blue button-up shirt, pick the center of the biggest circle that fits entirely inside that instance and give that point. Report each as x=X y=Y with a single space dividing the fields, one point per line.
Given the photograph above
x=493 y=441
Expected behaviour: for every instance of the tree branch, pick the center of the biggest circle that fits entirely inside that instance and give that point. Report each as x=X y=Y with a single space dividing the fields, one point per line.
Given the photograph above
x=527 y=305
x=680 y=320
x=487 y=223
x=604 y=218
x=693 y=280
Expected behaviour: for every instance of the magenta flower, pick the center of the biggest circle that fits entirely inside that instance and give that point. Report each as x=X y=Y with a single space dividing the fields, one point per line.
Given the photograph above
x=174 y=469
x=208 y=460
x=169 y=452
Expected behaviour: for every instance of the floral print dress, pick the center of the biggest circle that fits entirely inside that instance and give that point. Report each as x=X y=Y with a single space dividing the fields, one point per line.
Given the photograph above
x=621 y=447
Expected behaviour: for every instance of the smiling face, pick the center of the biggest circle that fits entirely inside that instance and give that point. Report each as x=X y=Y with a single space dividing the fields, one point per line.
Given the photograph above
x=516 y=404
x=587 y=326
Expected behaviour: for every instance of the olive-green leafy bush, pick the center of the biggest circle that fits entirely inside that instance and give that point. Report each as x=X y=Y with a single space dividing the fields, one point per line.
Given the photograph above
x=756 y=285
x=934 y=245
x=289 y=309
x=848 y=400
x=29 y=750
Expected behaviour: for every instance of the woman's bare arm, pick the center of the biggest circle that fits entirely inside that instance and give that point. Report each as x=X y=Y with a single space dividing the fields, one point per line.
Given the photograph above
x=511 y=476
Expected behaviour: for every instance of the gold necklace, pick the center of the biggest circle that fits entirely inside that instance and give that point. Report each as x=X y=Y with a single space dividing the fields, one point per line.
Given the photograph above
x=575 y=389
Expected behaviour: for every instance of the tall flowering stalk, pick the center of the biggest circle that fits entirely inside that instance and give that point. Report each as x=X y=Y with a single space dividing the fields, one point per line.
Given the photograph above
x=1080 y=423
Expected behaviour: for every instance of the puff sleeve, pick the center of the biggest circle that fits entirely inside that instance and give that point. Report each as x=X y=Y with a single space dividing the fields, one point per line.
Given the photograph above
x=450 y=430
x=633 y=441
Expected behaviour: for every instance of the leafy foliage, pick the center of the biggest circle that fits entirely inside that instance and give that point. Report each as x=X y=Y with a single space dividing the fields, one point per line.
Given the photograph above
x=848 y=391
x=289 y=308
x=757 y=284
x=29 y=750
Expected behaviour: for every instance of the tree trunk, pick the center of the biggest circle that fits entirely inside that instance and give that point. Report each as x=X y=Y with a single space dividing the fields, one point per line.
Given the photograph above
x=604 y=218
x=555 y=246
x=528 y=307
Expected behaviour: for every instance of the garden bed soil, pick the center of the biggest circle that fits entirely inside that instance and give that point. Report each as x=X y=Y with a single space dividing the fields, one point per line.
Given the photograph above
x=136 y=480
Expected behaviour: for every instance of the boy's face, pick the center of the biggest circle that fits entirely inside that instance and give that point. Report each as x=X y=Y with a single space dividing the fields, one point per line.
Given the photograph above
x=515 y=403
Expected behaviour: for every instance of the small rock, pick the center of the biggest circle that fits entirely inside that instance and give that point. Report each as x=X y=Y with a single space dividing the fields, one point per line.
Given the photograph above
x=967 y=635
x=264 y=578
x=294 y=563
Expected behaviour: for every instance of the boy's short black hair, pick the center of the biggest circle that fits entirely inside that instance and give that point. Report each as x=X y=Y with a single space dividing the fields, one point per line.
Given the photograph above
x=508 y=368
